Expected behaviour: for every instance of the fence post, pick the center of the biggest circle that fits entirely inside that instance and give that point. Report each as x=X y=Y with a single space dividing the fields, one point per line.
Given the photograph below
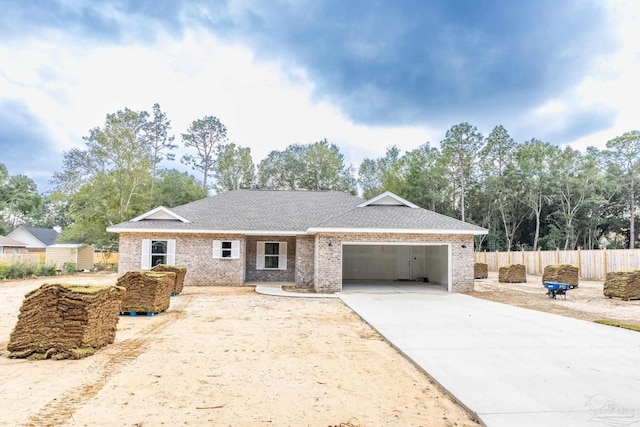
x=497 y=263
x=558 y=256
x=604 y=251
x=579 y=264
x=539 y=262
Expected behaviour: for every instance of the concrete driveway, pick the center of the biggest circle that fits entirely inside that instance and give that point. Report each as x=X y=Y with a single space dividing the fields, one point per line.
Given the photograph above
x=508 y=365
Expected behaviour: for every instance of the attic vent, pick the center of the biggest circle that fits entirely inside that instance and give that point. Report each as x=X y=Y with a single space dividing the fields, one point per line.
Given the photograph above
x=160 y=213
x=387 y=199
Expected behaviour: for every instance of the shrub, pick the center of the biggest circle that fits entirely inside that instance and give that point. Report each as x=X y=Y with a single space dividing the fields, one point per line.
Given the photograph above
x=70 y=267
x=47 y=270
x=20 y=270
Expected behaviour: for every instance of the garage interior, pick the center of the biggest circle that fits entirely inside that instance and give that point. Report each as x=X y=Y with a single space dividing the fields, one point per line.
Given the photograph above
x=384 y=264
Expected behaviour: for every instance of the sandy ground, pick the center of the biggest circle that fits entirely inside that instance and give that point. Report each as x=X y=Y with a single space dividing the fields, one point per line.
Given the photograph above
x=223 y=357
x=585 y=302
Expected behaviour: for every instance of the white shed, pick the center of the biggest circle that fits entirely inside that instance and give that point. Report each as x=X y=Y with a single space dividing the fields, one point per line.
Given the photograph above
x=66 y=253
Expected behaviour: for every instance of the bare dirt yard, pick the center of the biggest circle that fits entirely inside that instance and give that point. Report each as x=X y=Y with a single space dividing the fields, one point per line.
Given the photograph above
x=223 y=357
x=586 y=302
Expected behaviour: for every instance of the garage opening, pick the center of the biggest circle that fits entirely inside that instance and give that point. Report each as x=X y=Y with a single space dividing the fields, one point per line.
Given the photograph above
x=384 y=264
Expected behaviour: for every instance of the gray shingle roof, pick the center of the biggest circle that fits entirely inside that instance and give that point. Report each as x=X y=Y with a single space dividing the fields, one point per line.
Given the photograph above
x=255 y=210
x=47 y=236
x=295 y=212
x=396 y=217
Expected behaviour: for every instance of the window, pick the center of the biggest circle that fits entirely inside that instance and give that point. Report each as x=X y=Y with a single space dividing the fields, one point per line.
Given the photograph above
x=156 y=252
x=271 y=256
x=226 y=249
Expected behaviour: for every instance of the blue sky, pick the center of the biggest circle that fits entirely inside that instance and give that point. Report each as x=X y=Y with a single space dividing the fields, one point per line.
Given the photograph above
x=363 y=74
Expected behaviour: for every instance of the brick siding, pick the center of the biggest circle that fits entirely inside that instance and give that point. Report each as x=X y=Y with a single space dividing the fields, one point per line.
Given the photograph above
x=193 y=251
x=304 y=261
x=308 y=257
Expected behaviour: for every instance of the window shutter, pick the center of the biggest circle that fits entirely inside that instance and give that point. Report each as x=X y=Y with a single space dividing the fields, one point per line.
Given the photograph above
x=171 y=252
x=217 y=249
x=260 y=256
x=235 y=249
x=282 y=256
x=145 y=260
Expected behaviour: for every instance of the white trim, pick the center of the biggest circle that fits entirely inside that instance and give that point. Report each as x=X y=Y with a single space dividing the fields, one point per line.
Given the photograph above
x=171 y=252
x=450 y=256
x=260 y=256
x=160 y=209
x=388 y=243
x=145 y=260
x=193 y=230
x=314 y=230
x=235 y=249
x=282 y=256
x=309 y=231
x=217 y=249
x=399 y=201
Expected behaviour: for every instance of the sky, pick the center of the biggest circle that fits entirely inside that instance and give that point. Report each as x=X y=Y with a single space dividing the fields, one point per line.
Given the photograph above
x=365 y=75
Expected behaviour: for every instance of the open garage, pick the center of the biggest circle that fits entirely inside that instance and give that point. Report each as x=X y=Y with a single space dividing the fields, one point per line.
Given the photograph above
x=371 y=263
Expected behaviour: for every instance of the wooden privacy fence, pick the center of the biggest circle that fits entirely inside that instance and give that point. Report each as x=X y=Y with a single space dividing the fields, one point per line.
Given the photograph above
x=105 y=257
x=592 y=264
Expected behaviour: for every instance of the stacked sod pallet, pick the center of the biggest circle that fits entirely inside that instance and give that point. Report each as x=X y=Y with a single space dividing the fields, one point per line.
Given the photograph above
x=622 y=284
x=563 y=273
x=513 y=273
x=480 y=270
x=180 y=272
x=147 y=291
x=61 y=321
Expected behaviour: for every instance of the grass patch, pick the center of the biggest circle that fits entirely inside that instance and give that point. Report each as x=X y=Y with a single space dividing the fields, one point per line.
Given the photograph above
x=618 y=324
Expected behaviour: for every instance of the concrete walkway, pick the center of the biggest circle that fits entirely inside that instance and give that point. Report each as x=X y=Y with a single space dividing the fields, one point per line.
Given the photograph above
x=512 y=366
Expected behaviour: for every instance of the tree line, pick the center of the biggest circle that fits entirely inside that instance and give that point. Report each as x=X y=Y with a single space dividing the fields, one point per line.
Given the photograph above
x=529 y=194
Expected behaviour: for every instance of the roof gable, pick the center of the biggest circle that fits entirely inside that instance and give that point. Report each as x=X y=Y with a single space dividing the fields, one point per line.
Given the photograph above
x=160 y=213
x=34 y=236
x=388 y=199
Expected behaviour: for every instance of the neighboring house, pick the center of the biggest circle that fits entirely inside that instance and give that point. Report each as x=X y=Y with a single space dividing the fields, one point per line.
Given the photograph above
x=12 y=247
x=311 y=238
x=36 y=239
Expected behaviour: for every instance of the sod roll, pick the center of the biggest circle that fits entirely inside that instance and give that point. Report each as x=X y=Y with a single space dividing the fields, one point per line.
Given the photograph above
x=147 y=291
x=62 y=321
x=622 y=284
x=513 y=273
x=180 y=272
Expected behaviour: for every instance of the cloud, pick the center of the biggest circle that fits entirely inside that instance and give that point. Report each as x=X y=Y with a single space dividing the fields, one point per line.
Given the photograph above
x=564 y=123
x=415 y=62
x=25 y=146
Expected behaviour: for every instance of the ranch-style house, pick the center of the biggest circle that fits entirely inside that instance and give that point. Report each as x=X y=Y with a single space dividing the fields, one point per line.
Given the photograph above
x=318 y=239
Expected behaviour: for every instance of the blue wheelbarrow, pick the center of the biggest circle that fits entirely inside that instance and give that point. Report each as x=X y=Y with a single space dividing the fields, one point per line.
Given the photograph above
x=555 y=289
